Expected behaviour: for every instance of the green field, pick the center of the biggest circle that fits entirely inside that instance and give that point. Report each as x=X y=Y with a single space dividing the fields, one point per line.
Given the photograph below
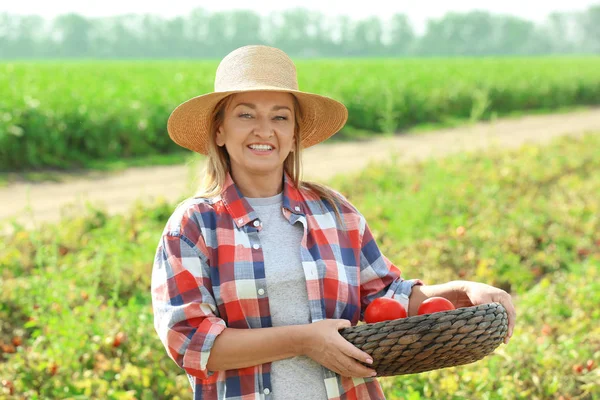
x=75 y=308
x=70 y=114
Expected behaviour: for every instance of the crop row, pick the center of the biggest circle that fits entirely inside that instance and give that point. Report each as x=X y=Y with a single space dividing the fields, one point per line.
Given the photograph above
x=64 y=114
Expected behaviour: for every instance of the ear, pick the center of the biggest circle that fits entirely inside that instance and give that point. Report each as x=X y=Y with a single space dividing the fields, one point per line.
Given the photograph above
x=220 y=137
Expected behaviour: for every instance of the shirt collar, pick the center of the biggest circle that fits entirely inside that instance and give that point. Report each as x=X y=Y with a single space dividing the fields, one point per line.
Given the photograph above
x=242 y=212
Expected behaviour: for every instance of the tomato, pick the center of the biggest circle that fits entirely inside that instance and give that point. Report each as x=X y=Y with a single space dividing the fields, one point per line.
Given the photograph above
x=589 y=365
x=435 y=304
x=384 y=309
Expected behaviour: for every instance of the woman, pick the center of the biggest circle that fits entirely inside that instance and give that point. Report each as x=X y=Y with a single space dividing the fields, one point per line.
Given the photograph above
x=255 y=275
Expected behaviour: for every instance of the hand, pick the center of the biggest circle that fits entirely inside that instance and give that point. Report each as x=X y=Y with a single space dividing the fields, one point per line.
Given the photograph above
x=468 y=294
x=325 y=345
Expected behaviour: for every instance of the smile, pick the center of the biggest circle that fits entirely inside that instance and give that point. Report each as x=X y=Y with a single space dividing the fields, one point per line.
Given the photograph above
x=260 y=147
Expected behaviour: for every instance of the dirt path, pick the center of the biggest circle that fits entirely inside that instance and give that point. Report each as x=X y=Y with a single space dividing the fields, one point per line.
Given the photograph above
x=34 y=203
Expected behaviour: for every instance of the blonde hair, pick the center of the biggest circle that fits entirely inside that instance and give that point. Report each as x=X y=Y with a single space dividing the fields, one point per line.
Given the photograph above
x=218 y=163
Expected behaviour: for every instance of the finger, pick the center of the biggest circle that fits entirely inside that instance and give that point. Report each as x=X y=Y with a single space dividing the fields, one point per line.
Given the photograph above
x=343 y=323
x=512 y=315
x=340 y=363
x=352 y=368
x=349 y=349
x=335 y=369
x=354 y=352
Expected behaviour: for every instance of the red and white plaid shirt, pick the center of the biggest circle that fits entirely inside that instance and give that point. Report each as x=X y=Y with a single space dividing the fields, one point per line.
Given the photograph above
x=209 y=274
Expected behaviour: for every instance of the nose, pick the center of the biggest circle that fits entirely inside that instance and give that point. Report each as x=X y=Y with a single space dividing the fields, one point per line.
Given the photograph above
x=263 y=127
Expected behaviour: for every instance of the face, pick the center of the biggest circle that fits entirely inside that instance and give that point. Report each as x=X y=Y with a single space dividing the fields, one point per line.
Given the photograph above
x=258 y=132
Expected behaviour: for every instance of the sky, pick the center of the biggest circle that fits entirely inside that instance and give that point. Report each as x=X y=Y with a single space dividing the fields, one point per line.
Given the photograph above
x=417 y=11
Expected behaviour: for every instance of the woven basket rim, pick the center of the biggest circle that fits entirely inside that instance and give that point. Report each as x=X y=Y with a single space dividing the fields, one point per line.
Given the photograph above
x=457 y=311
x=421 y=343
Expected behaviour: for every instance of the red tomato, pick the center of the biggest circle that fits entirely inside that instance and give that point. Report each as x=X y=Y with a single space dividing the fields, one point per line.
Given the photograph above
x=435 y=304
x=384 y=309
x=589 y=365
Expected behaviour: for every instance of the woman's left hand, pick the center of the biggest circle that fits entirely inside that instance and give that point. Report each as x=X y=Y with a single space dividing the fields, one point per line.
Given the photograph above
x=468 y=294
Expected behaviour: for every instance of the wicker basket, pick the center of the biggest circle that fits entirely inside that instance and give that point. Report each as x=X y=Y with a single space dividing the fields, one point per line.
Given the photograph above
x=432 y=341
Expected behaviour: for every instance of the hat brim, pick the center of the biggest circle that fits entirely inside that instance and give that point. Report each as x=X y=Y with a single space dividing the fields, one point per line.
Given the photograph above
x=189 y=123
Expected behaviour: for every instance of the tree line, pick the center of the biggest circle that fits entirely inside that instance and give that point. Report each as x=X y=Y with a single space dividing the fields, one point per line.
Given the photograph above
x=300 y=32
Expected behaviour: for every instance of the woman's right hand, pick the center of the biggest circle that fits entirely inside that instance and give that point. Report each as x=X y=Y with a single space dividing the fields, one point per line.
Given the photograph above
x=324 y=344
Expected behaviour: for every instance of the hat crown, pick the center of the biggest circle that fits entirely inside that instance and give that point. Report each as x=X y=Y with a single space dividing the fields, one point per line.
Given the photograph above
x=256 y=67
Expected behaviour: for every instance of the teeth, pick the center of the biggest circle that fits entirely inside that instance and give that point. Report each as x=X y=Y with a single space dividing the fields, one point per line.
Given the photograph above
x=262 y=147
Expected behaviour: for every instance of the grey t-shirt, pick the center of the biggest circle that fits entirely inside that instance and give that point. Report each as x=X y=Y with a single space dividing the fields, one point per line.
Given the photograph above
x=298 y=377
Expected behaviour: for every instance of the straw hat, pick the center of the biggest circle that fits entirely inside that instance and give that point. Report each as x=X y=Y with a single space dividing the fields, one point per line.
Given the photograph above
x=255 y=68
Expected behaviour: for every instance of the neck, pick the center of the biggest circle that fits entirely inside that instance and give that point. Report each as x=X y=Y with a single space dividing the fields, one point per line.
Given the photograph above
x=258 y=185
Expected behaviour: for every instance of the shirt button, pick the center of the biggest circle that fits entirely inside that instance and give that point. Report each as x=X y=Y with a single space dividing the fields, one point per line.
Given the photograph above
x=261 y=291
x=256 y=246
x=240 y=221
x=256 y=223
x=297 y=208
x=266 y=391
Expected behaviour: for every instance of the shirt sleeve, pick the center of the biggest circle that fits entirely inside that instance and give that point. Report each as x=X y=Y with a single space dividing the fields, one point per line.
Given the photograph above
x=379 y=277
x=185 y=313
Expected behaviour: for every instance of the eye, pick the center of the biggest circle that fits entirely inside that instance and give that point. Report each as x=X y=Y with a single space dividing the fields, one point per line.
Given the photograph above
x=281 y=117
x=245 y=115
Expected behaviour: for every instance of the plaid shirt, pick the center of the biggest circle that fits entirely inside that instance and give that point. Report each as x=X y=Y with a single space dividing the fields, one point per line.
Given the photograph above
x=208 y=274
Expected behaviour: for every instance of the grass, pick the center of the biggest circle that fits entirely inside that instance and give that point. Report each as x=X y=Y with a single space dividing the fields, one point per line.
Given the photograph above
x=76 y=320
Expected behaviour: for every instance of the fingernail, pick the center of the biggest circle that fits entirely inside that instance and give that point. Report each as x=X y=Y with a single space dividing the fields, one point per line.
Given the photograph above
x=369 y=361
x=374 y=374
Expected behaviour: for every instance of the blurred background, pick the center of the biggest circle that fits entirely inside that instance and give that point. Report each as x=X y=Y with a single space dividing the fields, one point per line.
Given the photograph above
x=184 y=30
x=472 y=148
